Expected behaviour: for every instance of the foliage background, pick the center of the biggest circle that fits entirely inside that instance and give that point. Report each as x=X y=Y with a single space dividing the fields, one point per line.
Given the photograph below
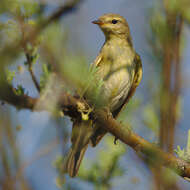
x=33 y=149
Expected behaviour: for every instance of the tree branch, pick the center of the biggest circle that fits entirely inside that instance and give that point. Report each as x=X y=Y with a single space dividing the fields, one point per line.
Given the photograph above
x=9 y=96
x=69 y=105
x=29 y=60
x=32 y=34
x=152 y=152
x=68 y=7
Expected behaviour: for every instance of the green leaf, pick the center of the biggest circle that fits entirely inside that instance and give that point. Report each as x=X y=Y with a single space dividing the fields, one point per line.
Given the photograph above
x=10 y=75
x=25 y=7
x=184 y=153
x=46 y=71
x=20 y=90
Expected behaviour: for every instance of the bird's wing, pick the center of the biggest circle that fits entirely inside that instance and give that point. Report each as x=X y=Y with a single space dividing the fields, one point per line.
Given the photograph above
x=98 y=60
x=136 y=82
x=99 y=131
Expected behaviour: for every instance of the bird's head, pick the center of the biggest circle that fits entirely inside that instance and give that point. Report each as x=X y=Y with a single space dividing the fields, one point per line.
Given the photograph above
x=113 y=25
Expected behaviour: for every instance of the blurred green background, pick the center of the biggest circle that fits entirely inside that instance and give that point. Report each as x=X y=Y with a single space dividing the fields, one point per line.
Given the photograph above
x=32 y=143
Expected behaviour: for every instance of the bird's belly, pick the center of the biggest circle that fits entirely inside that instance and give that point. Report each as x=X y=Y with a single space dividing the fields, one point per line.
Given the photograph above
x=116 y=88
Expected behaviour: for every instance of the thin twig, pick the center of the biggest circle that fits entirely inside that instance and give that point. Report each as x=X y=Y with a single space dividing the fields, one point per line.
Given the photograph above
x=68 y=7
x=15 y=48
x=177 y=80
x=29 y=60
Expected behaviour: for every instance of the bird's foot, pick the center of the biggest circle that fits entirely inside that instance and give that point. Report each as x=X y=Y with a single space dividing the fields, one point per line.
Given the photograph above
x=107 y=110
x=115 y=140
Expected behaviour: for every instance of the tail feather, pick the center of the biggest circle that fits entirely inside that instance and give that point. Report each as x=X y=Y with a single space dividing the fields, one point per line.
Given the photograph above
x=73 y=160
x=81 y=134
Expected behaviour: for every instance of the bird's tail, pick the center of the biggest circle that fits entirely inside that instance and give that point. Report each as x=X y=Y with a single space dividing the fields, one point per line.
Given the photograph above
x=73 y=161
x=81 y=134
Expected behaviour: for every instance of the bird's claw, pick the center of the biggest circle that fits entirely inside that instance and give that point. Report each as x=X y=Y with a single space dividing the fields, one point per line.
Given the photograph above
x=115 y=140
x=107 y=110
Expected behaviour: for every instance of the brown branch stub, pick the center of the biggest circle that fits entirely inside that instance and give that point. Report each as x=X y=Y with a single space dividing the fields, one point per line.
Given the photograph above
x=9 y=96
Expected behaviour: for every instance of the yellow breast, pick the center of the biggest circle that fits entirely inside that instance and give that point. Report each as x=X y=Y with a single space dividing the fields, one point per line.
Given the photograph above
x=116 y=68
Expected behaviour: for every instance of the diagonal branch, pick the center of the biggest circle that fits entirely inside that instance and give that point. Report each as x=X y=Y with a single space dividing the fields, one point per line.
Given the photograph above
x=7 y=94
x=154 y=154
x=68 y=7
x=15 y=48
x=69 y=104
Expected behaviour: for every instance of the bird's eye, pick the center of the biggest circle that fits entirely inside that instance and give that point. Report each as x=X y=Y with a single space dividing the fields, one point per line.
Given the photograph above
x=114 y=21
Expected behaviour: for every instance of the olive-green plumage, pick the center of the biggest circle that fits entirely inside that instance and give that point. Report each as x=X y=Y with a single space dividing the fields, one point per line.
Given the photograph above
x=120 y=68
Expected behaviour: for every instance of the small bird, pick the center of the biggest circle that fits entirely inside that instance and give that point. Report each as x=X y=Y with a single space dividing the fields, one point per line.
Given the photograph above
x=120 y=68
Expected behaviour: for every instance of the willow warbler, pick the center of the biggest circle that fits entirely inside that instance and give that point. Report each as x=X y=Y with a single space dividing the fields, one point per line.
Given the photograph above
x=119 y=66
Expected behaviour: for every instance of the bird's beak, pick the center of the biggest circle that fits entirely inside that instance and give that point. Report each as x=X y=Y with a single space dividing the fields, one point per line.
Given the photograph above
x=98 y=22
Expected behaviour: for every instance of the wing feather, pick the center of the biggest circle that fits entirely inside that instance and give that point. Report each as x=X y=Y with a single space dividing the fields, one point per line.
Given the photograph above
x=136 y=82
x=100 y=132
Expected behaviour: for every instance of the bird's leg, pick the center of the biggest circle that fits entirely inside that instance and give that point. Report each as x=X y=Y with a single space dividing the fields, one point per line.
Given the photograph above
x=108 y=112
x=115 y=140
